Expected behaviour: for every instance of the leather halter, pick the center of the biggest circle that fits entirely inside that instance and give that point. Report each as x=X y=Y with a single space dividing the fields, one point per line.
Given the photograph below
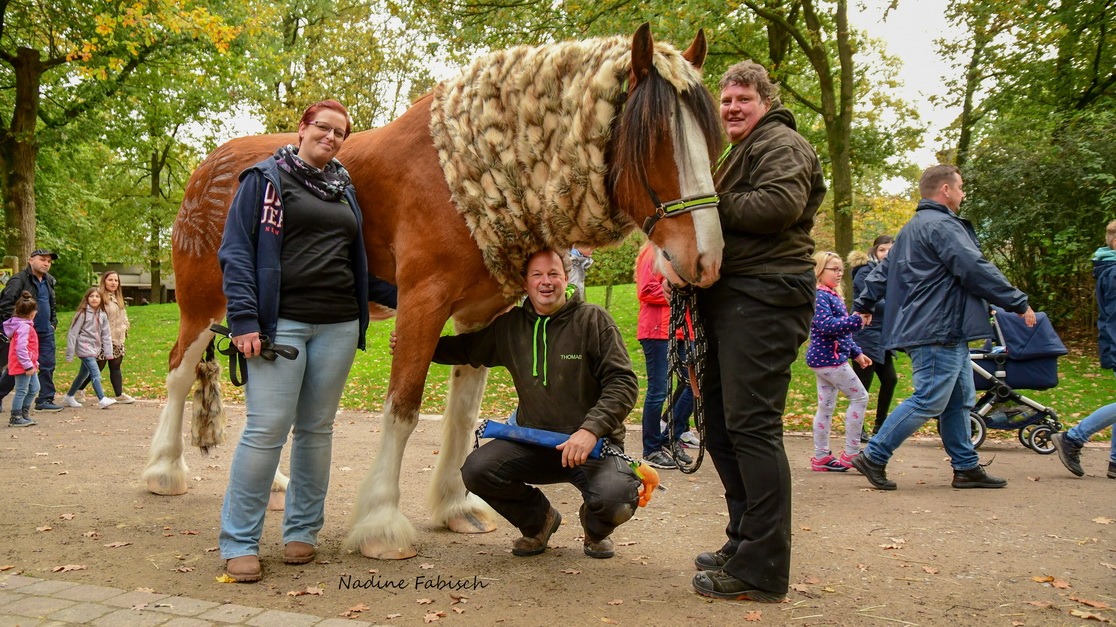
x=675 y=207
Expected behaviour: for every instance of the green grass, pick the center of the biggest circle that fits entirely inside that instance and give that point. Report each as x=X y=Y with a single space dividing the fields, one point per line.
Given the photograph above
x=1084 y=385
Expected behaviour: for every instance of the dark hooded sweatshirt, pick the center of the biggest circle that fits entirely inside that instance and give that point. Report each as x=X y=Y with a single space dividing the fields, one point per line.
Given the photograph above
x=571 y=369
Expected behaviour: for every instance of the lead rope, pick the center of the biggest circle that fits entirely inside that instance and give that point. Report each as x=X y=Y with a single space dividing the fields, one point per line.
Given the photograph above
x=686 y=370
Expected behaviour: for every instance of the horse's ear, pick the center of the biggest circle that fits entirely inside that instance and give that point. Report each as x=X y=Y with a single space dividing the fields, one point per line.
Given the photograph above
x=695 y=54
x=642 y=50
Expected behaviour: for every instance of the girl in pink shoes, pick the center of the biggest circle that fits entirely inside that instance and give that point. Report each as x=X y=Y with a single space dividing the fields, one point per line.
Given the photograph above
x=89 y=337
x=831 y=346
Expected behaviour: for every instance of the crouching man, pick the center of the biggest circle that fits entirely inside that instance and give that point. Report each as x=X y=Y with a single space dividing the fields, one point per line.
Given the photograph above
x=573 y=375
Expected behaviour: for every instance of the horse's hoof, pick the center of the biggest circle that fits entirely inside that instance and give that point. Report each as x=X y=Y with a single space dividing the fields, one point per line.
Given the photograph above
x=155 y=486
x=470 y=523
x=277 y=501
x=378 y=551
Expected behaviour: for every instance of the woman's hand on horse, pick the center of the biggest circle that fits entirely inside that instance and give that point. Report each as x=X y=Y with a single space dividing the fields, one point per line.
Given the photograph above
x=576 y=449
x=248 y=344
x=391 y=343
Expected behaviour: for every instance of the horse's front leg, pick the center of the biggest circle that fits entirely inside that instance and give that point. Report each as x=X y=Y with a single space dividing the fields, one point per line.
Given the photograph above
x=450 y=504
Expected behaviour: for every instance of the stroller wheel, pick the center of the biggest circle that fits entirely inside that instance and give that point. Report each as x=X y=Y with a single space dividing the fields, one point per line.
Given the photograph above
x=1025 y=435
x=977 y=429
x=1040 y=440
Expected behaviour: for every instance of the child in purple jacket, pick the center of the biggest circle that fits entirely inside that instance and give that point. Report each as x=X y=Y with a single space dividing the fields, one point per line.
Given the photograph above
x=831 y=346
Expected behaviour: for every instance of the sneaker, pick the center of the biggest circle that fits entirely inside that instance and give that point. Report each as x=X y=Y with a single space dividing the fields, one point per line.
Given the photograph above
x=845 y=460
x=865 y=436
x=976 y=478
x=690 y=438
x=536 y=544
x=106 y=402
x=677 y=453
x=20 y=421
x=721 y=585
x=659 y=460
x=124 y=399
x=80 y=395
x=875 y=473
x=1069 y=453
x=712 y=560
x=48 y=406
x=828 y=463
x=70 y=401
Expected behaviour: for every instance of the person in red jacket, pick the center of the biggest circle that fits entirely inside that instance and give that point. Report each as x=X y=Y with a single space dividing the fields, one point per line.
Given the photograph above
x=652 y=331
x=23 y=358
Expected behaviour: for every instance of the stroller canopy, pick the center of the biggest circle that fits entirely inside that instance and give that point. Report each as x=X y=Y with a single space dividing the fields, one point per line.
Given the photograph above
x=1023 y=342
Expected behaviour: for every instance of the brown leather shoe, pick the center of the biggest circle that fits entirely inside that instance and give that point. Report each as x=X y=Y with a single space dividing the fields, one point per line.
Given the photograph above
x=298 y=553
x=533 y=545
x=244 y=569
x=600 y=549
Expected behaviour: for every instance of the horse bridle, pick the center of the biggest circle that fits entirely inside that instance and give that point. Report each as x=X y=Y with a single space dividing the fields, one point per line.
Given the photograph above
x=675 y=208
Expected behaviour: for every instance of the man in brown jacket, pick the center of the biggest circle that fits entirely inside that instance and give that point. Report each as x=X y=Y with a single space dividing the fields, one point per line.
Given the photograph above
x=757 y=316
x=573 y=375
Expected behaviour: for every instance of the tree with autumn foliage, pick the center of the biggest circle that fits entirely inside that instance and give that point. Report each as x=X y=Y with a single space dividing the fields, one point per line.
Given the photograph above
x=61 y=59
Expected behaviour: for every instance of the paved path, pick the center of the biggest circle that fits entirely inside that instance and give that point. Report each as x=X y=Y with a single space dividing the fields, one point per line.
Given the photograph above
x=27 y=601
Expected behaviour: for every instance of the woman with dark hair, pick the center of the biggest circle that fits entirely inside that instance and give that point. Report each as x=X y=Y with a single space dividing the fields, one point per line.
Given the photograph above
x=295 y=273
x=868 y=338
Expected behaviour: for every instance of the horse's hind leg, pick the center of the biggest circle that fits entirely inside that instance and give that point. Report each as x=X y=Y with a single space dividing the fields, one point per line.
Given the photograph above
x=166 y=467
x=450 y=503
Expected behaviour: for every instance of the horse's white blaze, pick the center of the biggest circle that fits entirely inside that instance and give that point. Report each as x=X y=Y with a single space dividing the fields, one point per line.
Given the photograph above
x=691 y=155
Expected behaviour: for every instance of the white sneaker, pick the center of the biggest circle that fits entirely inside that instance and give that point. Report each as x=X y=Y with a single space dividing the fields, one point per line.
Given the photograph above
x=124 y=399
x=689 y=437
x=80 y=396
x=106 y=402
x=70 y=401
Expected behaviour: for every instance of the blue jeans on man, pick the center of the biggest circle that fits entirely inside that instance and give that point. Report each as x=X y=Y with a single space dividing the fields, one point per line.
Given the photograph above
x=943 y=386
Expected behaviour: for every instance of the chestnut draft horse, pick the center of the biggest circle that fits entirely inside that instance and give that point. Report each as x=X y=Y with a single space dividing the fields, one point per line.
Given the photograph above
x=528 y=148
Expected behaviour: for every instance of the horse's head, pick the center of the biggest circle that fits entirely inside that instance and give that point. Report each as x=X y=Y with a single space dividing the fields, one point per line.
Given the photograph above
x=667 y=139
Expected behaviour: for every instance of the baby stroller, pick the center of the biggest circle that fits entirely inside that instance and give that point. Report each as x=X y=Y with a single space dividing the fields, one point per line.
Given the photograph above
x=1018 y=357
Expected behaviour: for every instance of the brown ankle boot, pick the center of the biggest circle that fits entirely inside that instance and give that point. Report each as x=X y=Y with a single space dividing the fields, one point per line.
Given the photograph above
x=244 y=569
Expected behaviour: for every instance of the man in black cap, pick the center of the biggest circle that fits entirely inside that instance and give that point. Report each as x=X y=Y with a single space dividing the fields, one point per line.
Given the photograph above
x=35 y=278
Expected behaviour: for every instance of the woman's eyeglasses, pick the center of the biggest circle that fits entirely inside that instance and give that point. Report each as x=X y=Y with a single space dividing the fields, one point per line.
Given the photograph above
x=339 y=133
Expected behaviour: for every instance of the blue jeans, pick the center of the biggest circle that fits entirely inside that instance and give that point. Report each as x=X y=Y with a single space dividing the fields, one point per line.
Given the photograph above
x=26 y=387
x=1092 y=424
x=302 y=394
x=943 y=384
x=655 y=354
x=88 y=370
x=46 y=367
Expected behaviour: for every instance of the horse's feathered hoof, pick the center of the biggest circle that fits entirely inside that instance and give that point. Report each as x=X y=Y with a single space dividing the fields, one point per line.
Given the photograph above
x=471 y=523
x=378 y=551
x=166 y=487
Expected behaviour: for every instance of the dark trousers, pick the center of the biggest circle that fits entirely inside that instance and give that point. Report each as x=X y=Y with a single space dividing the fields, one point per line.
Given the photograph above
x=885 y=370
x=754 y=327
x=501 y=473
x=46 y=370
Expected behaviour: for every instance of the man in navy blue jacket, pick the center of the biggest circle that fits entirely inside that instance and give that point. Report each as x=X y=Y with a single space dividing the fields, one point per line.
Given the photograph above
x=938 y=285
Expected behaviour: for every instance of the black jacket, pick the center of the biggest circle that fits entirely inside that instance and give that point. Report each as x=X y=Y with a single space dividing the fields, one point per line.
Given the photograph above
x=22 y=281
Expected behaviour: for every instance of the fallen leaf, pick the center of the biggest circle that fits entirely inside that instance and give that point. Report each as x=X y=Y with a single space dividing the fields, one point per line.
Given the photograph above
x=432 y=616
x=458 y=598
x=753 y=616
x=930 y=570
x=1061 y=585
x=211 y=549
x=359 y=607
x=459 y=610
x=139 y=607
x=66 y=516
x=426 y=566
x=184 y=569
x=1030 y=478
x=64 y=472
x=92 y=534
x=6 y=567
x=1101 y=520
x=1098 y=605
x=188 y=532
x=571 y=571
x=44 y=528
x=891 y=546
x=1042 y=604
x=67 y=568
x=608 y=621
x=424 y=601
x=307 y=590
x=1088 y=616
x=804 y=528
x=631 y=543
x=1107 y=565
x=1042 y=578
x=391 y=616
x=616 y=602
x=224 y=578
x=373 y=571
x=862 y=566
x=116 y=545
x=148 y=590
x=810 y=579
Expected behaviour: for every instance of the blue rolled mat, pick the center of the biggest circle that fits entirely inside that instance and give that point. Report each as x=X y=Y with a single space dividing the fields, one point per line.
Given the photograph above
x=528 y=435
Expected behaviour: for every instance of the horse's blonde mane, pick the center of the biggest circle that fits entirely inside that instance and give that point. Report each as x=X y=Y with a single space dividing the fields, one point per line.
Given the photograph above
x=522 y=136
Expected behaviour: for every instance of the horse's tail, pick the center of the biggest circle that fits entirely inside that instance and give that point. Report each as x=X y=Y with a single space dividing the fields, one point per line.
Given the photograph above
x=208 y=428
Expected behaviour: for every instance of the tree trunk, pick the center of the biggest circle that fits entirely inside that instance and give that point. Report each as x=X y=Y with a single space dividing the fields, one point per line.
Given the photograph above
x=153 y=250
x=18 y=151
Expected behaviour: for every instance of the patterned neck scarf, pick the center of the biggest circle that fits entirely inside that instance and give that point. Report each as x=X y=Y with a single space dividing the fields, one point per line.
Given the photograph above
x=328 y=183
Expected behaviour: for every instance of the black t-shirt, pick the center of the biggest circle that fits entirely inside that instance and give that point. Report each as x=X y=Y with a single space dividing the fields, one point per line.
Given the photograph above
x=317 y=284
